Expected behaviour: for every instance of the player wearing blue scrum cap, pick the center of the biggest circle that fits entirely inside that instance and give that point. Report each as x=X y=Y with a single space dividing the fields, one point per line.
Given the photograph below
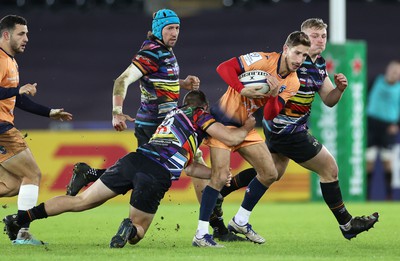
x=161 y=19
x=156 y=69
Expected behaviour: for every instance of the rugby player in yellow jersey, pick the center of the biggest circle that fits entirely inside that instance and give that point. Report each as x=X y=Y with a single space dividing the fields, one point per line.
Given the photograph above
x=234 y=107
x=19 y=173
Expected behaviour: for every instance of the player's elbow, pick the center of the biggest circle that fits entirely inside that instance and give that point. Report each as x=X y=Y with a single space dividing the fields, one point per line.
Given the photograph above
x=330 y=104
x=220 y=68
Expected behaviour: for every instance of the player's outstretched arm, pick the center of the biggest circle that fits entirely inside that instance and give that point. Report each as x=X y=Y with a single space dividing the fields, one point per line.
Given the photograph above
x=60 y=114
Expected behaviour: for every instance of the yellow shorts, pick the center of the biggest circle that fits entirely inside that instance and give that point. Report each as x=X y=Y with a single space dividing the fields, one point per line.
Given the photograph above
x=11 y=143
x=252 y=138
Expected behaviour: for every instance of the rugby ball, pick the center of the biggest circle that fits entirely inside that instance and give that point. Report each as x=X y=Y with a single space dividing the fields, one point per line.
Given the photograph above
x=255 y=78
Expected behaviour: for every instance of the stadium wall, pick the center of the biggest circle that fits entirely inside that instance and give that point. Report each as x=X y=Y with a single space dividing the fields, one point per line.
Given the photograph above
x=57 y=151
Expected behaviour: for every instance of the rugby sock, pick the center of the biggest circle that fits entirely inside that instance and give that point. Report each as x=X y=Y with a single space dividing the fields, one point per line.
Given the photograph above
x=333 y=198
x=95 y=173
x=27 y=198
x=202 y=229
x=217 y=223
x=26 y=216
x=208 y=200
x=253 y=194
x=239 y=181
x=242 y=217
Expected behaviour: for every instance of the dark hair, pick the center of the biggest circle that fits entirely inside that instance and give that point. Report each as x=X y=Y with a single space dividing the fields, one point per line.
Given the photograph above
x=8 y=22
x=298 y=38
x=195 y=99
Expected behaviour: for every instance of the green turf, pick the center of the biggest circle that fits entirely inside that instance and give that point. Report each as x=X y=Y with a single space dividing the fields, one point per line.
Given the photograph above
x=294 y=231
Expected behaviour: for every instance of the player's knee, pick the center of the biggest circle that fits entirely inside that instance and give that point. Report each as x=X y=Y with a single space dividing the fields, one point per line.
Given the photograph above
x=33 y=177
x=267 y=177
x=219 y=177
x=329 y=172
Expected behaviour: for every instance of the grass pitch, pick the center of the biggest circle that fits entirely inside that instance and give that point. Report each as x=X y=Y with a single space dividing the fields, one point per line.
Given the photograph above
x=294 y=231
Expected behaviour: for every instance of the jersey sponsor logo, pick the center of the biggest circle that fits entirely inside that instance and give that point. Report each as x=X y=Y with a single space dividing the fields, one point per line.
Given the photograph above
x=252 y=58
x=303 y=70
x=12 y=79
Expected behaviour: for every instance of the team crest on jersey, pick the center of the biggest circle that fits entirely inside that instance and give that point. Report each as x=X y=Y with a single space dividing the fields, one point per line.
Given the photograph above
x=3 y=150
x=282 y=88
x=251 y=58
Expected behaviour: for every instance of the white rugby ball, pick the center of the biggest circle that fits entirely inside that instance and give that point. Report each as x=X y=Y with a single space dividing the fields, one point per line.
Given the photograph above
x=255 y=78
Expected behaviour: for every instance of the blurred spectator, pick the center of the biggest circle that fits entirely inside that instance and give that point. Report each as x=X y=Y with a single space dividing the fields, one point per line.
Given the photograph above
x=383 y=112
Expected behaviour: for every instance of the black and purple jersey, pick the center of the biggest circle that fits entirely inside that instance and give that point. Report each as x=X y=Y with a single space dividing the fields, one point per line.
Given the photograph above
x=177 y=138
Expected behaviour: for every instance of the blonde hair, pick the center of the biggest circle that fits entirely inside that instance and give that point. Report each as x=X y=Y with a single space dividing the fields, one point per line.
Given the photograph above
x=317 y=23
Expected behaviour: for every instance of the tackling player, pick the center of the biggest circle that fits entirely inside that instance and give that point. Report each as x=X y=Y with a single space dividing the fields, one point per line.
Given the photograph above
x=148 y=171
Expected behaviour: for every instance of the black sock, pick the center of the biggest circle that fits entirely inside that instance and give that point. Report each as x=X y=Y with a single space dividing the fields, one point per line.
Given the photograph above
x=94 y=174
x=239 y=181
x=99 y=172
x=26 y=224
x=29 y=215
x=217 y=223
x=133 y=233
x=333 y=198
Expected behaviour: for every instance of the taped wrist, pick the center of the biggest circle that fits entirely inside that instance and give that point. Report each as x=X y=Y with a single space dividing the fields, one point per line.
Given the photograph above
x=117 y=110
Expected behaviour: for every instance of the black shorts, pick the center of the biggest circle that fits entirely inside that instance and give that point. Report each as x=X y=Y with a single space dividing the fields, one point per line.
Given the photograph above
x=147 y=178
x=378 y=134
x=299 y=147
x=144 y=133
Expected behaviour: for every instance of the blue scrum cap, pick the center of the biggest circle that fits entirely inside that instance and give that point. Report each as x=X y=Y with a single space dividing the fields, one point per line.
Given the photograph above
x=161 y=19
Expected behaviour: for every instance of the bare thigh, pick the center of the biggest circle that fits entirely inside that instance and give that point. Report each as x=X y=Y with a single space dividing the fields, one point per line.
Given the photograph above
x=18 y=170
x=260 y=158
x=24 y=166
x=324 y=164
